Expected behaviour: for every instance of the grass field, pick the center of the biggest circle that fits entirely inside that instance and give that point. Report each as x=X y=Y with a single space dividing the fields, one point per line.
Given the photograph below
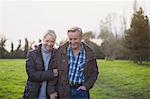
x=117 y=80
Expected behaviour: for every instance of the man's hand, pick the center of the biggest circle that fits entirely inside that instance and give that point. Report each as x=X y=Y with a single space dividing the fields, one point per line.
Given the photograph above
x=53 y=96
x=55 y=72
x=81 y=88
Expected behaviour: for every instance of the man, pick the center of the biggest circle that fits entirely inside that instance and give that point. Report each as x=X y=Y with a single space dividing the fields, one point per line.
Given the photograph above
x=77 y=68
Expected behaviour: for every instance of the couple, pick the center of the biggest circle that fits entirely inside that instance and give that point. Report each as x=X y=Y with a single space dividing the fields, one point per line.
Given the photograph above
x=66 y=73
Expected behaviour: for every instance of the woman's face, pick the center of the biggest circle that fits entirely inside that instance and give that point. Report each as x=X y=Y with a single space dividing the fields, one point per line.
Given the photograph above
x=48 y=42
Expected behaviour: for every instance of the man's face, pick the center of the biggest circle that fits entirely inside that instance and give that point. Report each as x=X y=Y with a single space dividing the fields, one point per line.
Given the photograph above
x=48 y=42
x=74 y=39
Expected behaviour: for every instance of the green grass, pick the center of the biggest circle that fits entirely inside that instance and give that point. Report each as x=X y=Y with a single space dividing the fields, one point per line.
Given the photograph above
x=12 y=78
x=122 y=80
x=116 y=80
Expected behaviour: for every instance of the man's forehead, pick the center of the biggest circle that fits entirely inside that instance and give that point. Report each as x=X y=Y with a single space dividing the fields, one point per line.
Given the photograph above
x=74 y=33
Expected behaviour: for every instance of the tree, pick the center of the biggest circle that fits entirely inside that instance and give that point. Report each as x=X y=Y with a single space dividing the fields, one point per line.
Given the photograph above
x=87 y=38
x=97 y=49
x=2 y=45
x=111 y=44
x=19 y=53
x=88 y=35
x=12 y=50
x=19 y=45
x=137 y=37
x=12 y=47
x=26 y=46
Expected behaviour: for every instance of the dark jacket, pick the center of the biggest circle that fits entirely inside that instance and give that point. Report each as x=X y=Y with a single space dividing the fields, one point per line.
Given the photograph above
x=36 y=73
x=61 y=63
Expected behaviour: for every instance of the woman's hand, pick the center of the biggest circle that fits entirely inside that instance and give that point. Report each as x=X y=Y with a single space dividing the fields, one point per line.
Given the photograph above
x=55 y=72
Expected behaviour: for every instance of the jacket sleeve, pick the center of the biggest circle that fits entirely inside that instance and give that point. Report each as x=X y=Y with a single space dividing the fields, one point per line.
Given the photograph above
x=52 y=84
x=36 y=75
x=93 y=75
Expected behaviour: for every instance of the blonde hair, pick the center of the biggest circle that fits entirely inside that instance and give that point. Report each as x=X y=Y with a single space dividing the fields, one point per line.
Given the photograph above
x=51 y=33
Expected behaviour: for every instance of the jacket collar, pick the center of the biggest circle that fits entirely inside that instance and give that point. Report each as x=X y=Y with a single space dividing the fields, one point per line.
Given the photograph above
x=38 y=50
x=88 y=51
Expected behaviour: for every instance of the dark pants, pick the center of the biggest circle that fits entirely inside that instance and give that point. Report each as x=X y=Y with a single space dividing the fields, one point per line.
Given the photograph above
x=81 y=94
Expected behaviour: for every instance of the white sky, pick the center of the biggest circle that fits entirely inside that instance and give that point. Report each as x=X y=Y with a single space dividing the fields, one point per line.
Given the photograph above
x=30 y=18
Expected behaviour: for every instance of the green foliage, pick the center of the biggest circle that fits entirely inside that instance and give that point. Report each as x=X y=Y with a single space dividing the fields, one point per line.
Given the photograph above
x=137 y=38
x=17 y=53
x=88 y=35
x=97 y=49
x=117 y=80
x=2 y=46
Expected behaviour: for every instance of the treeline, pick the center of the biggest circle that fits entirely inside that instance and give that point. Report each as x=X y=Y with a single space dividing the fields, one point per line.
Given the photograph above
x=19 y=52
x=132 y=44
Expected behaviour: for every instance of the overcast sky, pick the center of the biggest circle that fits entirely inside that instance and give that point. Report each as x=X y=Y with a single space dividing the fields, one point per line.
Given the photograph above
x=31 y=18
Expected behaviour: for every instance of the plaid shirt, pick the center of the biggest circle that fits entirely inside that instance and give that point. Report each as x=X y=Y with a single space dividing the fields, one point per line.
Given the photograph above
x=76 y=66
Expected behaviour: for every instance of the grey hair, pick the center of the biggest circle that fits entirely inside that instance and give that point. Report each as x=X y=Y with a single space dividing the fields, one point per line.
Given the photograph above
x=74 y=29
x=51 y=33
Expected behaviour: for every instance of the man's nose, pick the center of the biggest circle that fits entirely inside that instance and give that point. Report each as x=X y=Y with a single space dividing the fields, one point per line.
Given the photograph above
x=72 y=41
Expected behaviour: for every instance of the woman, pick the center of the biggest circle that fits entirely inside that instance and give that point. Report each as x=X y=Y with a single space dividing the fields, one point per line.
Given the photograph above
x=38 y=67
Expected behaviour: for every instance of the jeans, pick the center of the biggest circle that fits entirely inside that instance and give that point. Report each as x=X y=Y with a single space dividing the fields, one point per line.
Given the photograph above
x=81 y=94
